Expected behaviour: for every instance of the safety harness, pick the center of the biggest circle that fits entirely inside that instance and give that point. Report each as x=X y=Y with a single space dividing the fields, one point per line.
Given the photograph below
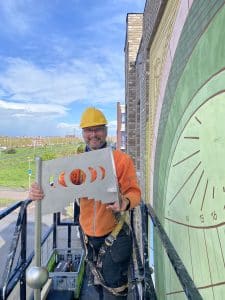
x=96 y=265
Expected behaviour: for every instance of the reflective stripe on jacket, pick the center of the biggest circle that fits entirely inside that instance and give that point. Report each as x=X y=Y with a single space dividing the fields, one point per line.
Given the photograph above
x=95 y=219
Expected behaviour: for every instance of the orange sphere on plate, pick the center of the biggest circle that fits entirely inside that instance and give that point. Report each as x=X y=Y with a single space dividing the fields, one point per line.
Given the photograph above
x=77 y=176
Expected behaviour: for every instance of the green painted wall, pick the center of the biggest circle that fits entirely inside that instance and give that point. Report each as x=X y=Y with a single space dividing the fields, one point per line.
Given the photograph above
x=189 y=176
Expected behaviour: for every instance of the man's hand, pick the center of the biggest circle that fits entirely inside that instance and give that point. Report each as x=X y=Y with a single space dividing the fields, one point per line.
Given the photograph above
x=35 y=192
x=125 y=204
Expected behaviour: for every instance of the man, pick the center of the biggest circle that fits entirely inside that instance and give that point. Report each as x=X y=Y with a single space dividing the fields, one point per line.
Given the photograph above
x=107 y=237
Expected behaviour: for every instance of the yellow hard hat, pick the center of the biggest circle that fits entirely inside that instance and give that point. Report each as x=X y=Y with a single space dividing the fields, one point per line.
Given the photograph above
x=92 y=117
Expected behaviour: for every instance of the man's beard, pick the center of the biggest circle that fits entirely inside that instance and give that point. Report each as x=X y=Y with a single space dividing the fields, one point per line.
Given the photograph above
x=97 y=141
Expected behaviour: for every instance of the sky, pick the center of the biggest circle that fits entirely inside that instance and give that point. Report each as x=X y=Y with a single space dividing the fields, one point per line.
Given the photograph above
x=58 y=57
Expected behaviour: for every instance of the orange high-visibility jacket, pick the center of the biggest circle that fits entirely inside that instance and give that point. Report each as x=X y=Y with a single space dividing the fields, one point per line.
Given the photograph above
x=95 y=219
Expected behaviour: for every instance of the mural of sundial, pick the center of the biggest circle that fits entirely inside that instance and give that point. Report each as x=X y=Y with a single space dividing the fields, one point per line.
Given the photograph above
x=195 y=195
x=189 y=169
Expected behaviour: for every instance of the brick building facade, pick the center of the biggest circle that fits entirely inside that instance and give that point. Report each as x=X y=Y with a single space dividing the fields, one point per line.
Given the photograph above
x=133 y=37
x=140 y=33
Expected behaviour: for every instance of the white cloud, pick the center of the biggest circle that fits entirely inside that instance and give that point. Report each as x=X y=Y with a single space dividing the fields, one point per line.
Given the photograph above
x=62 y=83
x=31 y=108
x=53 y=64
x=39 y=95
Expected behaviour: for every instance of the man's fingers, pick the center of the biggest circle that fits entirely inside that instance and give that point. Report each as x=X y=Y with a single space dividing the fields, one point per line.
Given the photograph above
x=114 y=207
x=117 y=207
x=35 y=192
x=36 y=196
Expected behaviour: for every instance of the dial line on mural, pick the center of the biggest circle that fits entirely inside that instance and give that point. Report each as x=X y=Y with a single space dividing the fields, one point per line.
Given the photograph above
x=213 y=195
x=192 y=137
x=189 y=156
x=206 y=186
x=189 y=239
x=196 y=187
x=221 y=248
x=198 y=120
x=207 y=255
x=185 y=183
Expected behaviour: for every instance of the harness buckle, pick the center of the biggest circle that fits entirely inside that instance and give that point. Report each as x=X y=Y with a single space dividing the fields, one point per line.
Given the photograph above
x=109 y=240
x=85 y=239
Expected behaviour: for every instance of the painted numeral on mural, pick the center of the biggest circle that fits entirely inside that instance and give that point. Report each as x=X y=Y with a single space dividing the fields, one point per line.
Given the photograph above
x=214 y=215
x=202 y=218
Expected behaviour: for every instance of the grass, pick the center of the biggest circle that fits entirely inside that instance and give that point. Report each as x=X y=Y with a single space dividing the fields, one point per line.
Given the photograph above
x=14 y=167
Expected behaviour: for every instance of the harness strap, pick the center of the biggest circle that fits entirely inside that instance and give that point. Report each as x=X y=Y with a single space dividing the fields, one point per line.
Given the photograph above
x=115 y=291
x=109 y=240
x=113 y=235
x=95 y=268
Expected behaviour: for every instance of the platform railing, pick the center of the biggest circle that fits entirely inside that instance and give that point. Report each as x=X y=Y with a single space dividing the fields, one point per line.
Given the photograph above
x=185 y=279
x=15 y=273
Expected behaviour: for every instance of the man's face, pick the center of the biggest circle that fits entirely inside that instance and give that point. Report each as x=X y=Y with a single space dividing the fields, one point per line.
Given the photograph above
x=95 y=136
